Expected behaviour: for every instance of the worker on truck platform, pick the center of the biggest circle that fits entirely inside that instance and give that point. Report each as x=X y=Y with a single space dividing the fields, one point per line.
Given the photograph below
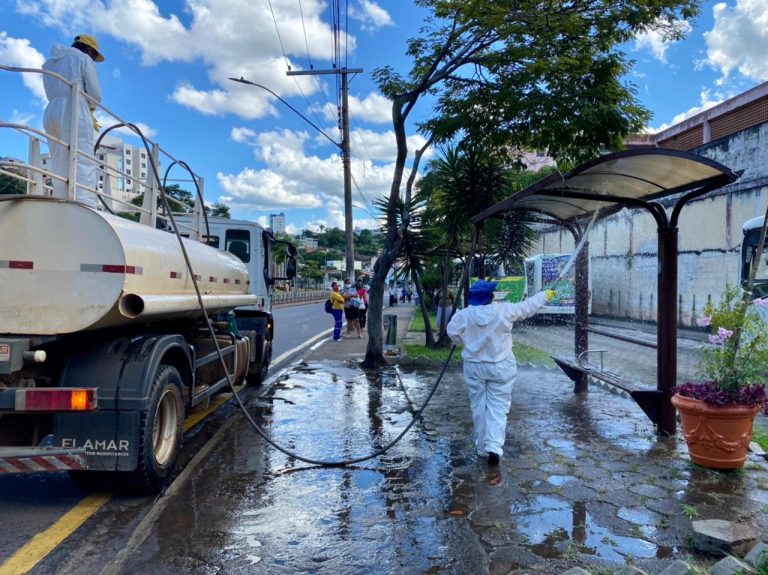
x=490 y=369
x=75 y=64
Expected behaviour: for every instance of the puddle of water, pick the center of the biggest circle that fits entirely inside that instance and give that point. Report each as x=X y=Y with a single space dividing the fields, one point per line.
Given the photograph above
x=563 y=446
x=558 y=480
x=554 y=527
x=636 y=515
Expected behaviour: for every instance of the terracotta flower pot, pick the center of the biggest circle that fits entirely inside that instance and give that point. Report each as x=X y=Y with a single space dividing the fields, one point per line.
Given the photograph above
x=717 y=436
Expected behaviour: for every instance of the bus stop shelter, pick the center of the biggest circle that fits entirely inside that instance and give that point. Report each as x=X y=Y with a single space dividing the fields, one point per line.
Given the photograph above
x=657 y=180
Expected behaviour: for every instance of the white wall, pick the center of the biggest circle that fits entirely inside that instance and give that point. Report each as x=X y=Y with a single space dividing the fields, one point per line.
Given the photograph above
x=623 y=247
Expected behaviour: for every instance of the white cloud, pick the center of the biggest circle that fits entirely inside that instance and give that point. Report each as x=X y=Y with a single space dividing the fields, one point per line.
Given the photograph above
x=294 y=177
x=18 y=52
x=657 y=41
x=20 y=118
x=706 y=100
x=370 y=15
x=242 y=135
x=374 y=108
x=233 y=38
x=739 y=39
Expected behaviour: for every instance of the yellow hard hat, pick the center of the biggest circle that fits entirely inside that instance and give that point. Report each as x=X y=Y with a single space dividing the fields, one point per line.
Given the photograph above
x=91 y=42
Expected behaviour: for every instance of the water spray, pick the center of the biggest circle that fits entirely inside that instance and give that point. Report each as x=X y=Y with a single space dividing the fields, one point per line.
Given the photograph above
x=579 y=247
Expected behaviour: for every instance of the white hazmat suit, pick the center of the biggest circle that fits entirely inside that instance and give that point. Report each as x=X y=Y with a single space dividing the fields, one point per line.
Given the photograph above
x=490 y=368
x=78 y=68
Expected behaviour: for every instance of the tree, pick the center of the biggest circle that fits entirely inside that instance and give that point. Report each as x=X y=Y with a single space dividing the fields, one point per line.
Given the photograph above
x=11 y=185
x=467 y=179
x=218 y=210
x=524 y=74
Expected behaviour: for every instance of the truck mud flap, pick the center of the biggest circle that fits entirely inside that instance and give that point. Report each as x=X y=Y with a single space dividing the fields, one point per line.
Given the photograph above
x=109 y=438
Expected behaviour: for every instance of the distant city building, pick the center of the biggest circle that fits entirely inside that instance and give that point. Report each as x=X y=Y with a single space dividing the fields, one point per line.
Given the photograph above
x=309 y=243
x=277 y=223
x=341 y=264
x=123 y=169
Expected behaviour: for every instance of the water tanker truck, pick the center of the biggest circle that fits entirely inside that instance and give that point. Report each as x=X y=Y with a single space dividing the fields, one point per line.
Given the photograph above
x=104 y=346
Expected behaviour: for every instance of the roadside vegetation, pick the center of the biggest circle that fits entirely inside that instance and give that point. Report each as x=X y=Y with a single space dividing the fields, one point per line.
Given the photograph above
x=523 y=353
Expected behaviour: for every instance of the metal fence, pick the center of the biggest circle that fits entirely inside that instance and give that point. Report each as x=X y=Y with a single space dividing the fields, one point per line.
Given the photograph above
x=298 y=296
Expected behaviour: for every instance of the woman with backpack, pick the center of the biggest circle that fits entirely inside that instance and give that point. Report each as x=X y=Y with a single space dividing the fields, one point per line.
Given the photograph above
x=337 y=310
x=362 y=293
x=351 y=308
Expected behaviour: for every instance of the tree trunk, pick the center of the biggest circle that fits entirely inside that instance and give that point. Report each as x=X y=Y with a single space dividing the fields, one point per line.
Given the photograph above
x=429 y=336
x=374 y=353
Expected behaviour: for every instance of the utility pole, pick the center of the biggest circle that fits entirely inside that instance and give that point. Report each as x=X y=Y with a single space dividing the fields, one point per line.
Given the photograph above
x=344 y=112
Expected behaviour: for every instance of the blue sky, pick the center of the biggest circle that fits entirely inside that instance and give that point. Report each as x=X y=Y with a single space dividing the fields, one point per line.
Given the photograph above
x=167 y=64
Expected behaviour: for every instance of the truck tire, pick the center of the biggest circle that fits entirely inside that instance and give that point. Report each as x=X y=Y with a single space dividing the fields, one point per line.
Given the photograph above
x=161 y=432
x=257 y=372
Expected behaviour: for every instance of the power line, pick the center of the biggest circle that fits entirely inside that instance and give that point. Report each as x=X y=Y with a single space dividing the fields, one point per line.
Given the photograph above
x=279 y=38
x=306 y=42
x=307 y=120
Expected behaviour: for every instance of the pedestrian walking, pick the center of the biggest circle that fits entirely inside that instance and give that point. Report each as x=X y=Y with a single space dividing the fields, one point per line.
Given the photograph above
x=351 y=308
x=392 y=296
x=362 y=293
x=76 y=65
x=409 y=294
x=444 y=307
x=490 y=368
x=337 y=310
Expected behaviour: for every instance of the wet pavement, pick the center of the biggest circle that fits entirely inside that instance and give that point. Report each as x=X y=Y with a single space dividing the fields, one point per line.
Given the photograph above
x=584 y=481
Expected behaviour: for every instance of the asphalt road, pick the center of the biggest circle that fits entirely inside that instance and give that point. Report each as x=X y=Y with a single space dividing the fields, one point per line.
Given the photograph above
x=33 y=503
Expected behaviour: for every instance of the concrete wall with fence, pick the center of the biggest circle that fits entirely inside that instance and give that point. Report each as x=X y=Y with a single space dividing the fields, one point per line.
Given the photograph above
x=623 y=247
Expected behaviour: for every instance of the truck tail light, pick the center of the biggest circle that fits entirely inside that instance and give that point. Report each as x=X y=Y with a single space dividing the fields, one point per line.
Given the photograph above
x=56 y=399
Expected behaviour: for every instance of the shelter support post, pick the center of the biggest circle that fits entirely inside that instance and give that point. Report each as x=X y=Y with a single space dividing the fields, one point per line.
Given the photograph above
x=581 y=335
x=666 y=350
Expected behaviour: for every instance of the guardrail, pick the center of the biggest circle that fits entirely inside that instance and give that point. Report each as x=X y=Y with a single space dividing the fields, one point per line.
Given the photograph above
x=299 y=296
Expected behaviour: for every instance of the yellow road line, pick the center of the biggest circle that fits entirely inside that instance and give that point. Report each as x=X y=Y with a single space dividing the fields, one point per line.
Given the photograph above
x=43 y=543
x=197 y=416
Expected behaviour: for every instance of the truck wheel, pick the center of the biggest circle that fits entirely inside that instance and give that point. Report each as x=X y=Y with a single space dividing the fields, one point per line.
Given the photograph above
x=161 y=433
x=257 y=372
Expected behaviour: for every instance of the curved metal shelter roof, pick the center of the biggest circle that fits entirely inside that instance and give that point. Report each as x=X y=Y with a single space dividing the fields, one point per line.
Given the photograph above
x=634 y=178
x=630 y=177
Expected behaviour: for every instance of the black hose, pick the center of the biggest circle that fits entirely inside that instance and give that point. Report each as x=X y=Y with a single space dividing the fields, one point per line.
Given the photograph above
x=241 y=405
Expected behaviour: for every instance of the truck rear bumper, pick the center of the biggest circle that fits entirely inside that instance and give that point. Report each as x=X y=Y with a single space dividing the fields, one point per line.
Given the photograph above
x=40 y=459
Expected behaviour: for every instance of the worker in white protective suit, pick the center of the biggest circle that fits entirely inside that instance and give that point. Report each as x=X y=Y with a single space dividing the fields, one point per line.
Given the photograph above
x=490 y=369
x=75 y=64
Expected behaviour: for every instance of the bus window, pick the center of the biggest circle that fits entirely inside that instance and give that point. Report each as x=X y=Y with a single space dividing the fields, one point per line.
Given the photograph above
x=238 y=242
x=212 y=241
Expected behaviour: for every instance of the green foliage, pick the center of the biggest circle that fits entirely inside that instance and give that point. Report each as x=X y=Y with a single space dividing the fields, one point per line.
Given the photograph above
x=760 y=436
x=690 y=512
x=738 y=356
x=218 y=210
x=11 y=185
x=537 y=77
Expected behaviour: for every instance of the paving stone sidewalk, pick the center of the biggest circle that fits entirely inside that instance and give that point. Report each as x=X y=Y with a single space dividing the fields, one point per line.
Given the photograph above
x=584 y=480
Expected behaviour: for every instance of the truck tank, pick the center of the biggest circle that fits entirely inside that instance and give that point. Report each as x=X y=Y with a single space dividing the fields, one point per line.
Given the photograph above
x=65 y=268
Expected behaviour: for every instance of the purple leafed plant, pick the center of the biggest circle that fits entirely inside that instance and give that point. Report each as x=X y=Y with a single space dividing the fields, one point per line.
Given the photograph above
x=710 y=392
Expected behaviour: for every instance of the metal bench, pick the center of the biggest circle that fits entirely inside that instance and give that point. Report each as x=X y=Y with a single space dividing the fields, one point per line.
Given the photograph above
x=574 y=367
x=579 y=369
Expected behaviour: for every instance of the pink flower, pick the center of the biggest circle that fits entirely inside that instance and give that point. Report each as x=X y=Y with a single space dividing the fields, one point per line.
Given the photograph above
x=704 y=321
x=762 y=302
x=722 y=336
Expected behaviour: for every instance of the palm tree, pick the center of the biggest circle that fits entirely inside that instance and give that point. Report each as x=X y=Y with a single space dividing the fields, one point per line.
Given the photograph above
x=462 y=181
